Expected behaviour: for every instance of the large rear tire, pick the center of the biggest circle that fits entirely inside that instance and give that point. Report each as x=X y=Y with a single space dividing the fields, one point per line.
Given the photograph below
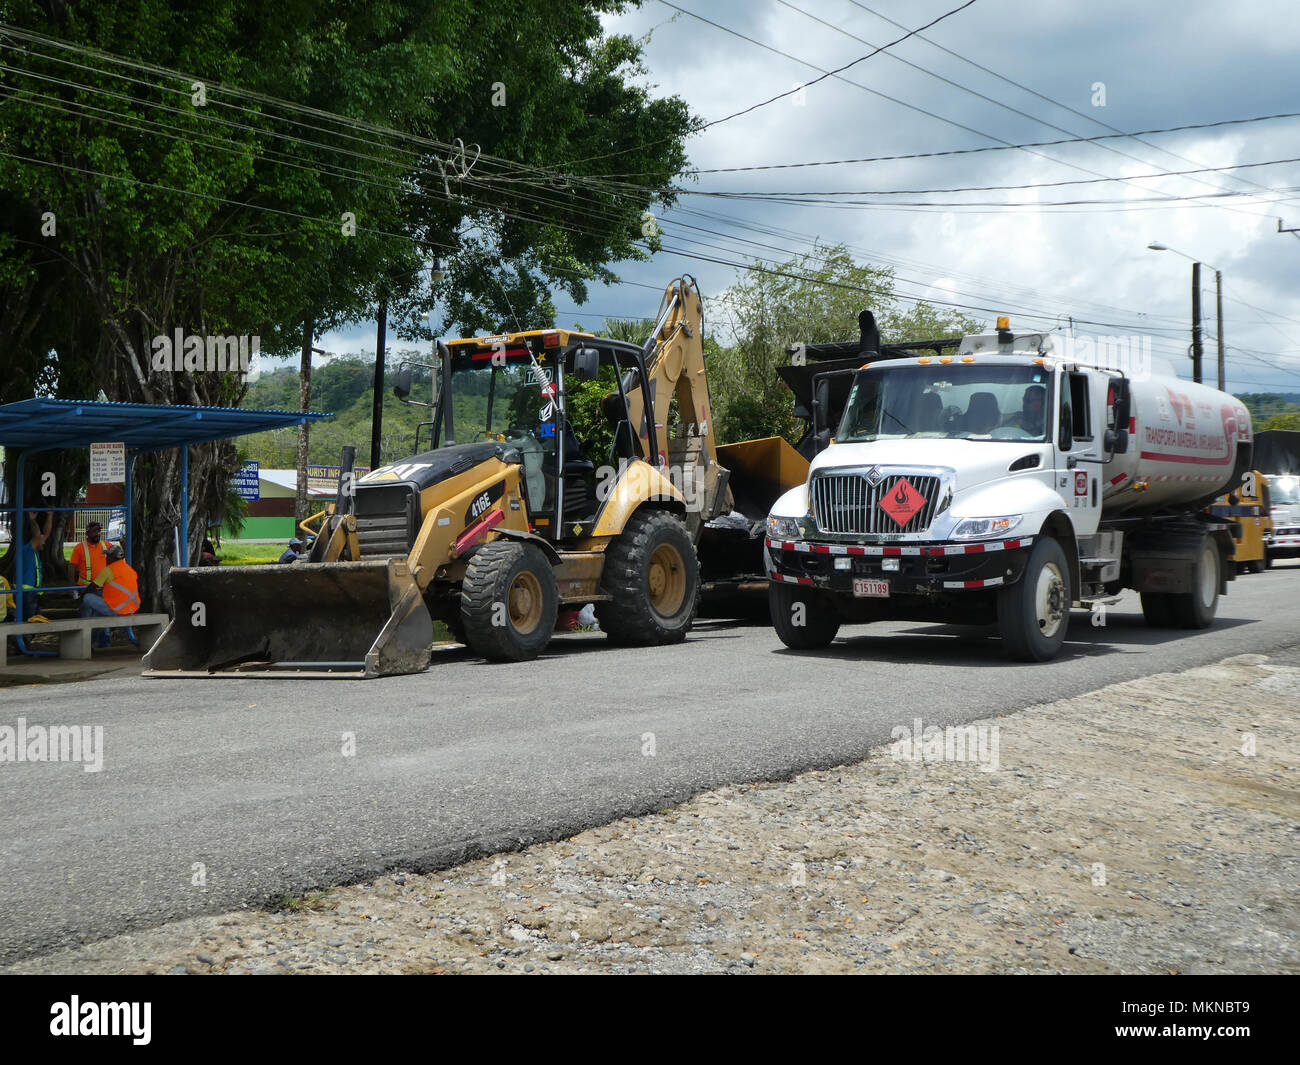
x=801 y=617
x=1034 y=613
x=1157 y=611
x=652 y=576
x=508 y=602
x=1196 y=609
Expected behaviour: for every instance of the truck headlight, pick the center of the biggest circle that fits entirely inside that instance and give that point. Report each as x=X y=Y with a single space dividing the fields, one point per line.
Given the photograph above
x=974 y=528
x=783 y=528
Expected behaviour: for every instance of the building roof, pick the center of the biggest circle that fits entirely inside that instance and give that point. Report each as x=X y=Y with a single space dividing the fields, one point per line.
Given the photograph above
x=48 y=424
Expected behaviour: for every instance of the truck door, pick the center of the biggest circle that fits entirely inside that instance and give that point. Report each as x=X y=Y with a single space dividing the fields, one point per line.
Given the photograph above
x=1079 y=432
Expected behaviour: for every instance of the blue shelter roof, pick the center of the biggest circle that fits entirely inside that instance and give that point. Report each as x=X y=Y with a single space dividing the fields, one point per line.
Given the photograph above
x=46 y=424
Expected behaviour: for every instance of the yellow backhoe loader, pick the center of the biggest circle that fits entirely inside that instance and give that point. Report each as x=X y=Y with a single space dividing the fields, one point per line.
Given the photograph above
x=508 y=517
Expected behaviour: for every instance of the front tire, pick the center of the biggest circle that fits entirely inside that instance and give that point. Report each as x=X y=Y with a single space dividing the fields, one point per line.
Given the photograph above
x=652 y=576
x=1034 y=613
x=1196 y=609
x=508 y=602
x=801 y=617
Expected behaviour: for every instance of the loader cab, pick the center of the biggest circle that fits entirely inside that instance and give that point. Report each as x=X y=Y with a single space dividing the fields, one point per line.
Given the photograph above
x=561 y=400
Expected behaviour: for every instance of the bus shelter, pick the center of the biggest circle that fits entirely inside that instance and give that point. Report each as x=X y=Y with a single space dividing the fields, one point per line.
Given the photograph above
x=32 y=426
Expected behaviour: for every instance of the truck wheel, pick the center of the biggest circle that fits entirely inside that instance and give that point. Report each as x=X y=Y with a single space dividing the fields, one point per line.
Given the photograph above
x=801 y=617
x=653 y=578
x=508 y=602
x=1034 y=613
x=1156 y=610
x=1195 y=609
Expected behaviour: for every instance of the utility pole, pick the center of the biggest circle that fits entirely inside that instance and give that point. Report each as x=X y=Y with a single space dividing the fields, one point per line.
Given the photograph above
x=1218 y=298
x=377 y=407
x=304 y=405
x=1196 y=322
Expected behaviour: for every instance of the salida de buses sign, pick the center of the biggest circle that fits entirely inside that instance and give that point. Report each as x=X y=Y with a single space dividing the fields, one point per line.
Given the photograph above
x=107 y=463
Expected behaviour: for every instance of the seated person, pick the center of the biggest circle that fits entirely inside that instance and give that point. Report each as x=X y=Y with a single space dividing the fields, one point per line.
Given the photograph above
x=1030 y=417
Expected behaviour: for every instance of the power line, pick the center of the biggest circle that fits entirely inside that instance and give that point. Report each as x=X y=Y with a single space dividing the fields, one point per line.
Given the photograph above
x=1056 y=103
x=827 y=74
x=895 y=100
x=989 y=147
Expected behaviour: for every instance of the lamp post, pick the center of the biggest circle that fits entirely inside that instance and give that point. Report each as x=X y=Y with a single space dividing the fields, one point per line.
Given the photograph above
x=1155 y=245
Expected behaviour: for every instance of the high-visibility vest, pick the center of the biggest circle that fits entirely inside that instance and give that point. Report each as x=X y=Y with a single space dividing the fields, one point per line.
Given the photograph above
x=121 y=591
x=91 y=560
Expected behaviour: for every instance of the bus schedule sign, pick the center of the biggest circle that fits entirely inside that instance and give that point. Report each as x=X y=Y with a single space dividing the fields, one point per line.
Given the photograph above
x=107 y=463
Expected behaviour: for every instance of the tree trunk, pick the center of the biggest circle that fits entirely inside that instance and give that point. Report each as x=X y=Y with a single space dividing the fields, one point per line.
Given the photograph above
x=304 y=405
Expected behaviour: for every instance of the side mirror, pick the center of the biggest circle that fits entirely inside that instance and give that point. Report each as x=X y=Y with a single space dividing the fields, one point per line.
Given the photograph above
x=586 y=364
x=1117 y=441
x=821 y=406
x=402 y=383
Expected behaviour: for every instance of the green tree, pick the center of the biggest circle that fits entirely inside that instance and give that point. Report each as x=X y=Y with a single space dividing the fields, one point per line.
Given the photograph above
x=812 y=299
x=1283 y=421
x=269 y=166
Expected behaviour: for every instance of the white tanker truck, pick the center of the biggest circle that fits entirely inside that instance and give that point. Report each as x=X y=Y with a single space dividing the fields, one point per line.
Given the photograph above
x=1004 y=483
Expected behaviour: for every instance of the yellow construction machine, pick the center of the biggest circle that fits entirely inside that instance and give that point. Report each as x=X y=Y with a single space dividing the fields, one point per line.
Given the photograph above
x=508 y=517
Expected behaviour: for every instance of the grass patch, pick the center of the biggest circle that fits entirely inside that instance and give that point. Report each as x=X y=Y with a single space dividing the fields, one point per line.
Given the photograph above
x=314 y=900
x=235 y=553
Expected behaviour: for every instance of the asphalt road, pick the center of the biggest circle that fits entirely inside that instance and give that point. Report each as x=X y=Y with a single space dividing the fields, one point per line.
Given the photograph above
x=247 y=779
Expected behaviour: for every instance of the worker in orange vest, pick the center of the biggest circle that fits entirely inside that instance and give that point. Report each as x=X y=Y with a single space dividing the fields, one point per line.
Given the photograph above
x=116 y=591
x=88 y=556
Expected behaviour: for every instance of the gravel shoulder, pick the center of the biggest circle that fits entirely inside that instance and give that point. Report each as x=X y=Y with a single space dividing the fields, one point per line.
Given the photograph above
x=1126 y=830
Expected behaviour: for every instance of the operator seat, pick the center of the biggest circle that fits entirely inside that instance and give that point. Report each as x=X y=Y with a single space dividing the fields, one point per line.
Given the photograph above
x=929 y=409
x=615 y=412
x=579 y=478
x=982 y=413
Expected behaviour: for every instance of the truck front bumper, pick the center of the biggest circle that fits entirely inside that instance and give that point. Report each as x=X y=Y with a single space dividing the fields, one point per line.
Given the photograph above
x=1285 y=543
x=923 y=569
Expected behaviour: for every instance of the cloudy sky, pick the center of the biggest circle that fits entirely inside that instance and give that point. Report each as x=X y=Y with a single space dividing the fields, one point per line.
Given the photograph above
x=1155 y=65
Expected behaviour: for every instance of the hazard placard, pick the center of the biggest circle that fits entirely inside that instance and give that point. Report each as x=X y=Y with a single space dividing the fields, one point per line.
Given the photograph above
x=902 y=502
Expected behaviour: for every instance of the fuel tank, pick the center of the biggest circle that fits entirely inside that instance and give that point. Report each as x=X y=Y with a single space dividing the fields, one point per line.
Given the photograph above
x=1188 y=443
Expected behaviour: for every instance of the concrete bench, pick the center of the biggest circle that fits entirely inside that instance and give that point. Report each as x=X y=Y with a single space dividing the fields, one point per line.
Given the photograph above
x=74 y=633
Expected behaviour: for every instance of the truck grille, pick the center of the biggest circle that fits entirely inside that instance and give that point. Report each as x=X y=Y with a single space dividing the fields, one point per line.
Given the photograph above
x=846 y=503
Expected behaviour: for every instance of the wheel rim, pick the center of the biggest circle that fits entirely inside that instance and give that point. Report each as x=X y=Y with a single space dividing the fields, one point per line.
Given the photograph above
x=666 y=580
x=525 y=602
x=1049 y=600
x=1209 y=577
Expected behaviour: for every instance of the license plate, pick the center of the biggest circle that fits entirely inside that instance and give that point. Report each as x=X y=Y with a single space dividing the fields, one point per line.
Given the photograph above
x=871 y=589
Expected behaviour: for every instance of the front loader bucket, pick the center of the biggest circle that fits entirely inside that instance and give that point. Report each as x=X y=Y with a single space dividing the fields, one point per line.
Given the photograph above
x=348 y=619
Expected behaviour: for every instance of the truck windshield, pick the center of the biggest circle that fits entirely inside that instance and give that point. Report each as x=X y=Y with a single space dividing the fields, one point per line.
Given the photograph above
x=1284 y=490
x=966 y=400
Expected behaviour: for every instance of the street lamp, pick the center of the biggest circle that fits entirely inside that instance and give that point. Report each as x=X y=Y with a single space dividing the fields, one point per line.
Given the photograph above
x=1155 y=245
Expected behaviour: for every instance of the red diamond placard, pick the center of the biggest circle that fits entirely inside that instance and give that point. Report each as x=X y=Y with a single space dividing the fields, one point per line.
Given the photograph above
x=902 y=501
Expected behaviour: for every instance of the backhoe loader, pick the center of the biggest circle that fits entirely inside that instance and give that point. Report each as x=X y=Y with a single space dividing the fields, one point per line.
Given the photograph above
x=508 y=517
